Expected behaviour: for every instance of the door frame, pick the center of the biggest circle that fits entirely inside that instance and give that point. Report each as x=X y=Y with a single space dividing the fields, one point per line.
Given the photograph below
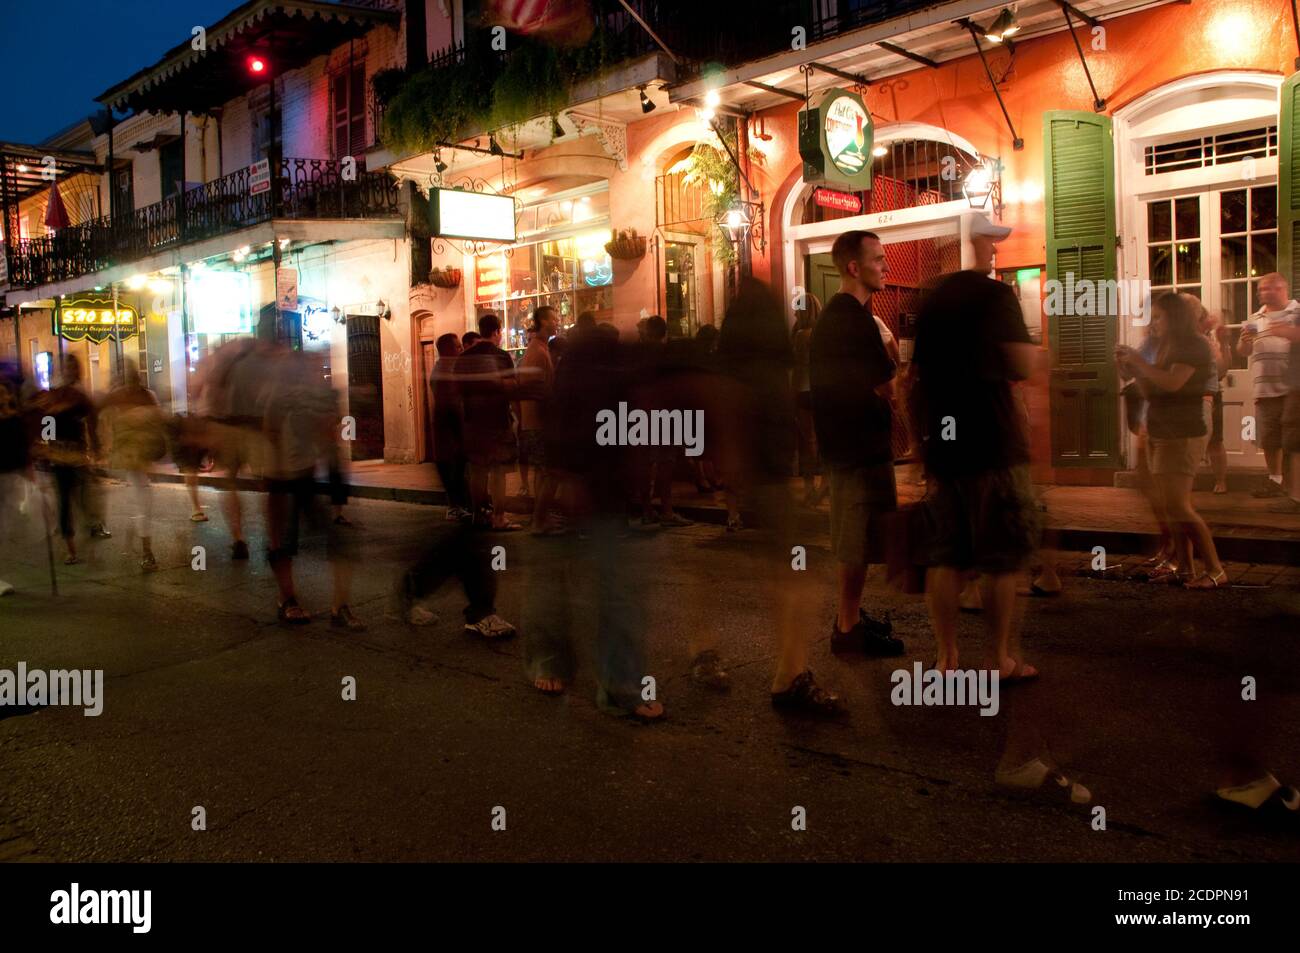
x=1204 y=104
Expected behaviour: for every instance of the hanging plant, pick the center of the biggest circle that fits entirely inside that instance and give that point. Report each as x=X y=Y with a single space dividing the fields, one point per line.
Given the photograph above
x=626 y=246
x=445 y=277
x=711 y=169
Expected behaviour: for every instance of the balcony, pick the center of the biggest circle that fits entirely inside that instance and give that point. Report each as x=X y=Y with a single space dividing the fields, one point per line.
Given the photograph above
x=307 y=189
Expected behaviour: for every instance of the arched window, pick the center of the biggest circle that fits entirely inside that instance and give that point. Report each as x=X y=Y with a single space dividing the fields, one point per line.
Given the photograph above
x=911 y=172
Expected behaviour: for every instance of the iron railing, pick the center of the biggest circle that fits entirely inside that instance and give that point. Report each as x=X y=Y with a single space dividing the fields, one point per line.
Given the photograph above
x=307 y=188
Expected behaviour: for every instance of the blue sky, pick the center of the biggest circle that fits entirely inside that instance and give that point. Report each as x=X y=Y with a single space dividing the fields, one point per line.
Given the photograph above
x=60 y=54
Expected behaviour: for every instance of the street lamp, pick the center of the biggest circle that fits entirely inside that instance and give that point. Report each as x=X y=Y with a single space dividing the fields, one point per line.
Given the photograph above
x=978 y=186
x=735 y=223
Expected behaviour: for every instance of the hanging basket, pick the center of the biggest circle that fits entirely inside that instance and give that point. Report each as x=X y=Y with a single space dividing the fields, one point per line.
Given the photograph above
x=445 y=277
x=627 y=246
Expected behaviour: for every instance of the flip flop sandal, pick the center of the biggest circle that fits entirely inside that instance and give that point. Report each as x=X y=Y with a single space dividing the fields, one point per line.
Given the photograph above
x=1036 y=778
x=292 y=613
x=1214 y=582
x=550 y=691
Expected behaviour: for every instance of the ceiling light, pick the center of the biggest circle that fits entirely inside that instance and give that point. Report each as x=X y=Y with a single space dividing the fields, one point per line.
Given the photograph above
x=136 y=282
x=879 y=151
x=1004 y=26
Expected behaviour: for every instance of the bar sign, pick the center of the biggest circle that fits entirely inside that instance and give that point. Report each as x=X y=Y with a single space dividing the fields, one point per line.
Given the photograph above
x=259 y=177
x=841 y=201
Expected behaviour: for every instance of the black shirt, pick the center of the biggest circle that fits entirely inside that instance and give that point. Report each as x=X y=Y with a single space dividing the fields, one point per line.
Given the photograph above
x=1178 y=414
x=847 y=361
x=963 y=378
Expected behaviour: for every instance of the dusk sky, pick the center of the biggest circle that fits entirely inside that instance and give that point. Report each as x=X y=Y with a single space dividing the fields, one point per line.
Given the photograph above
x=64 y=53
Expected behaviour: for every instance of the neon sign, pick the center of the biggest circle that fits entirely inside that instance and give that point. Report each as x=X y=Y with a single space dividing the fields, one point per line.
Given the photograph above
x=96 y=320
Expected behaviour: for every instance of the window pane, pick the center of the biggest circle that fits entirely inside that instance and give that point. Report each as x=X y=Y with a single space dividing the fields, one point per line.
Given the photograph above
x=1234 y=257
x=1263 y=207
x=1187 y=216
x=1234 y=302
x=1189 y=262
x=1263 y=254
x=1232 y=211
x=1194 y=290
x=1159 y=225
x=1161 y=267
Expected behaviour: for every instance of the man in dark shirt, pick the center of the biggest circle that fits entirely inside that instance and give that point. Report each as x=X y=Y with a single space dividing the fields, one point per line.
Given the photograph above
x=851 y=378
x=448 y=429
x=971 y=343
x=486 y=376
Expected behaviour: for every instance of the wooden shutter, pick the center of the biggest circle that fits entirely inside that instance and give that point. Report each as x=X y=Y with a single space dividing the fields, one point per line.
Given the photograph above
x=357 y=110
x=339 y=104
x=1080 y=200
x=1288 y=191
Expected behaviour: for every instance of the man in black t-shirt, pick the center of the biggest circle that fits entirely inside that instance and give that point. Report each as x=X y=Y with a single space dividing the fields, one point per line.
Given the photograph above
x=851 y=378
x=971 y=344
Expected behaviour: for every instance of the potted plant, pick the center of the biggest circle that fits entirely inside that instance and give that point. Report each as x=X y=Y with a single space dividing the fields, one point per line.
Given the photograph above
x=445 y=277
x=626 y=246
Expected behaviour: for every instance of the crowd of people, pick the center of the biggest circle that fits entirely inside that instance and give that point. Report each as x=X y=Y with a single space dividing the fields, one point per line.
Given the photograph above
x=820 y=400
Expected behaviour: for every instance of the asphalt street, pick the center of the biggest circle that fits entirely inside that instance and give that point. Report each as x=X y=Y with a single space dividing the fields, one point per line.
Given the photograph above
x=209 y=702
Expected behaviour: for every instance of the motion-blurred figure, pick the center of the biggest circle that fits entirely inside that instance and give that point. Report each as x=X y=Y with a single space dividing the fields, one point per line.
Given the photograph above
x=15 y=462
x=68 y=448
x=536 y=373
x=137 y=440
x=971 y=343
x=449 y=430
x=488 y=385
x=302 y=425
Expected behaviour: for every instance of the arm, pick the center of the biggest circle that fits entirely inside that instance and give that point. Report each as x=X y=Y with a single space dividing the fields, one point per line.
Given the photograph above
x=1171 y=379
x=1022 y=360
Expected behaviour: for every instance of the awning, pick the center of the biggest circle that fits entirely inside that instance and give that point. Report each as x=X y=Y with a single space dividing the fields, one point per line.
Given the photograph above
x=288 y=33
x=22 y=169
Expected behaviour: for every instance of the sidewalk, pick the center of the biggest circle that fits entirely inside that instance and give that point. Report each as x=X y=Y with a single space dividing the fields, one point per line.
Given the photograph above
x=1246 y=530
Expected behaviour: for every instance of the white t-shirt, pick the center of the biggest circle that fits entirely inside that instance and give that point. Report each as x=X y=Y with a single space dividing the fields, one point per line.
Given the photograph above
x=1269 y=355
x=886 y=336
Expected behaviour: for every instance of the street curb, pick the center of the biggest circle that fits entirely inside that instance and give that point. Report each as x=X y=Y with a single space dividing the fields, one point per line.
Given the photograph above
x=1234 y=543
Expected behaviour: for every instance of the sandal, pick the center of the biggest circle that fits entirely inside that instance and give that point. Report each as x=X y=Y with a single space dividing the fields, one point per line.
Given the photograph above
x=1033 y=776
x=554 y=686
x=198 y=516
x=1207 y=581
x=708 y=671
x=1166 y=573
x=1020 y=672
x=291 y=613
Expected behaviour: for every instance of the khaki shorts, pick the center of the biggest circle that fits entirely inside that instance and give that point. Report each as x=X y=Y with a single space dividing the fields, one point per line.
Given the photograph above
x=1291 y=423
x=860 y=498
x=1177 y=455
x=237 y=447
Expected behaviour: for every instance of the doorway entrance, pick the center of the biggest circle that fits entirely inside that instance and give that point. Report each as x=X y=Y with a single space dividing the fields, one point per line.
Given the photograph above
x=366 y=386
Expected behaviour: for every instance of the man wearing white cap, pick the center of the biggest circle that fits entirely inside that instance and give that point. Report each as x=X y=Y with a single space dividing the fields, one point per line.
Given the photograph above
x=971 y=344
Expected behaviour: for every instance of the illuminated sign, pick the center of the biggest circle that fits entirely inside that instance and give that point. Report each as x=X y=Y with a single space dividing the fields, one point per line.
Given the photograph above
x=840 y=201
x=220 y=302
x=259 y=177
x=96 y=320
x=489 y=278
x=835 y=139
x=477 y=216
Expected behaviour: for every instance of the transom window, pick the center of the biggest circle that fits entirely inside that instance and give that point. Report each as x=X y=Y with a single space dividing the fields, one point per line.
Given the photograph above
x=1211 y=150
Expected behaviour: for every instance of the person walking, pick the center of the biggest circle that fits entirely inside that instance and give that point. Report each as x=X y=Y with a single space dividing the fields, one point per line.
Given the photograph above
x=971 y=344
x=68 y=450
x=808 y=461
x=488 y=385
x=851 y=379
x=137 y=432
x=1175 y=384
x=449 y=430
x=536 y=374
x=1269 y=356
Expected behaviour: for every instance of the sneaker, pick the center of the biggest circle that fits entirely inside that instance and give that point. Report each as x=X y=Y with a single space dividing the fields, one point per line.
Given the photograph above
x=344 y=619
x=100 y=531
x=6 y=589
x=868 y=636
x=1267 y=489
x=490 y=627
x=149 y=564
x=239 y=550
x=806 y=696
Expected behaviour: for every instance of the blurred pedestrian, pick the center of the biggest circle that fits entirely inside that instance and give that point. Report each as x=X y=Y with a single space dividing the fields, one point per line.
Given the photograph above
x=15 y=463
x=68 y=446
x=449 y=430
x=809 y=464
x=488 y=385
x=971 y=344
x=138 y=440
x=536 y=374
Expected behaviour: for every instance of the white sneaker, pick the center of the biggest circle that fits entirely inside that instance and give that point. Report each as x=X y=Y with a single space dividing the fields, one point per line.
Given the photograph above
x=491 y=627
x=6 y=589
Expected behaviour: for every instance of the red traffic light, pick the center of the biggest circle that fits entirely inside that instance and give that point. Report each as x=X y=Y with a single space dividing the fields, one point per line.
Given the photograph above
x=256 y=64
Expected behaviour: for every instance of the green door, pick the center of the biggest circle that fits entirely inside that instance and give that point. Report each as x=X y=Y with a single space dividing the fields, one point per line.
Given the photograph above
x=1080 y=200
x=823 y=279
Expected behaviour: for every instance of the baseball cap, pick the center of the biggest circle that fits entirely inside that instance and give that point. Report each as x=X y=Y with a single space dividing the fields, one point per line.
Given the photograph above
x=980 y=225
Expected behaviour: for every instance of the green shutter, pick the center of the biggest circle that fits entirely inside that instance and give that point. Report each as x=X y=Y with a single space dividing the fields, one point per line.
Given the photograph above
x=1080 y=200
x=1288 y=191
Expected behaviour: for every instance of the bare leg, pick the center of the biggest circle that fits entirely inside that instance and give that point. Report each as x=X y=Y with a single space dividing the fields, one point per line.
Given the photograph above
x=852 y=579
x=942 y=586
x=342 y=584
x=1219 y=464
x=999 y=593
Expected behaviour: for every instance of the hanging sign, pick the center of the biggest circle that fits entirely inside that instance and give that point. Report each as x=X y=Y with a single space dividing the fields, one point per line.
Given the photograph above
x=835 y=140
x=259 y=177
x=840 y=201
x=477 y=216
x=94 y=319
x=286 y=289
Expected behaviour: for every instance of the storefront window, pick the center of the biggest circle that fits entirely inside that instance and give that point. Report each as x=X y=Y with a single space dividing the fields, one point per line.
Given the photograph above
x=572 y=275
x=560 y=261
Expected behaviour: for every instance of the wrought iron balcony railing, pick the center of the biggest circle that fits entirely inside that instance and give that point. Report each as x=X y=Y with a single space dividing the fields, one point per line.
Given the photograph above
x=307 y=188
